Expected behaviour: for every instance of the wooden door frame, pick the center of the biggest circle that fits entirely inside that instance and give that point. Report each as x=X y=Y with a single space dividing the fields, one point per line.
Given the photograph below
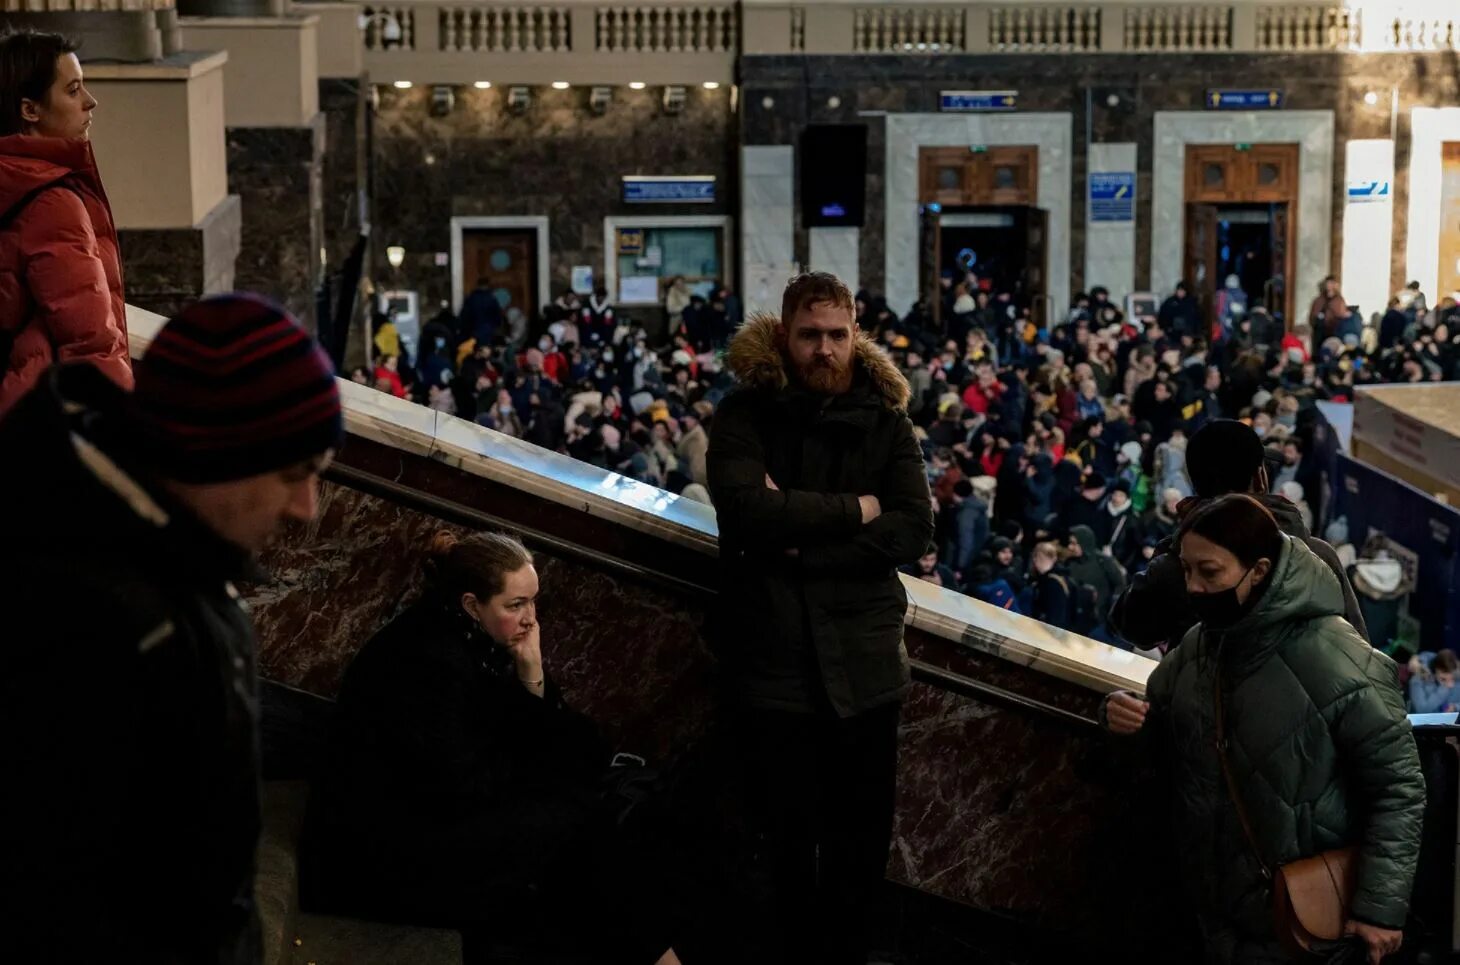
x=1191 y=186
x=459 y=228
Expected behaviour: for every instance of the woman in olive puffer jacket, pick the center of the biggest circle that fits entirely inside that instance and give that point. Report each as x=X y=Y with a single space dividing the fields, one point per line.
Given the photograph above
x=1318 y=743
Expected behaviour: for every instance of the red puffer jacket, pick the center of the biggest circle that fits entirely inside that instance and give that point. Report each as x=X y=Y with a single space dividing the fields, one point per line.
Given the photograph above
x=60 y=268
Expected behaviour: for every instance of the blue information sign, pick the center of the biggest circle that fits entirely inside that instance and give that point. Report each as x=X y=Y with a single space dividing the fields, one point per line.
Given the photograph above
x=1364 y=191
x=1244 y=100
x=1113 y=196
x=652 y=190
x=978 y=100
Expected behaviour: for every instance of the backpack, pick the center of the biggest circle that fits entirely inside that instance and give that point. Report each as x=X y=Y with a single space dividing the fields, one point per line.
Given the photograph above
x=7 y=338
x=1084 y=602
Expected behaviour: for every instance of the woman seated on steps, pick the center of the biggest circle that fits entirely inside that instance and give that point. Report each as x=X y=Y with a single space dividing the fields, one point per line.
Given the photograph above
x=461 y=791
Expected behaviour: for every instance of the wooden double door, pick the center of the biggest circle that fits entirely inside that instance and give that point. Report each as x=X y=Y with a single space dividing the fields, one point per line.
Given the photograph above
x=505 y=261
x=980 y=212
x=1241 y=218
x=1449 y=277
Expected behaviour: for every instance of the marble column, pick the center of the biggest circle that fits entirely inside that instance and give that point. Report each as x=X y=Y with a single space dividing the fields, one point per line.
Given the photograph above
x=1429 y=128
x=1368 y=225
x=276 y=142
x=767 y=229
x=160 y=148
x=837 y=250
x=1110 y=246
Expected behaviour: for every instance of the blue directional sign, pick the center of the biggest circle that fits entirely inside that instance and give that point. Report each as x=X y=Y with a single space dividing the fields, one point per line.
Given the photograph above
x=1360 y=192
x=978 y=100
x=1112 y=196
x=1244 y=100
x=662 y=190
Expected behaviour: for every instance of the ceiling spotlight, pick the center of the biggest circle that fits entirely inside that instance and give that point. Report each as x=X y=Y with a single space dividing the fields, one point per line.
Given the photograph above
x=396 y=255
x=767 y=102
x=1112 y=100
x=636 y=85
x=483 y=85
x=560 y=85
x=598 y=100
x=1371 y=98
x=712 y=85
x=403 y=85
x=673 y=100
x=518 y=99
x=833 y=102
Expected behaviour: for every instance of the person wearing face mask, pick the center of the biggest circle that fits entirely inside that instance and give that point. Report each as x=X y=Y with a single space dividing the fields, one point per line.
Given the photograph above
x=61 y=296
x=1316 y=749
x=460 y=789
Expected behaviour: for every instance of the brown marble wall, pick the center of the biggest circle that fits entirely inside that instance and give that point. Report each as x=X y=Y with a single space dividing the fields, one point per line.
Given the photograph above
x=346 y=111
x=277 y=171
x=163 y=270
x=558 y=159
x=799 y=88
x=998 y=808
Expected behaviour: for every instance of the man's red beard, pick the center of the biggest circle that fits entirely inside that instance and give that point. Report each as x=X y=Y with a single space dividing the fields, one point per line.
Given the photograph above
x=826 y=377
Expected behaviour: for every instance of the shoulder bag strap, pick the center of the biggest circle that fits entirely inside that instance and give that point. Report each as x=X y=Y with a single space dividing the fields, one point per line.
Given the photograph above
x=1230 y=782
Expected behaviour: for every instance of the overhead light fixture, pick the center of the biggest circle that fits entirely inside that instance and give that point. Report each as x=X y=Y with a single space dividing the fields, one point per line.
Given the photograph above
x=636 y=85
x=483 y=85
x=396 y=255
x=673 y=100
x=519 y=99
x=1371 y=98
x=403 y=85
x=598 y=100
x=712 y=85
x=561 y=85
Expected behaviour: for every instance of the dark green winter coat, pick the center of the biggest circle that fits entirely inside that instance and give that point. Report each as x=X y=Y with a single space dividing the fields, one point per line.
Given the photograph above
x=1319 y=746
x=811 y=608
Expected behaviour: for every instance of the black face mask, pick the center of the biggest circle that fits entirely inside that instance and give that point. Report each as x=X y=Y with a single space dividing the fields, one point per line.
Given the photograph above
x=1221 y=608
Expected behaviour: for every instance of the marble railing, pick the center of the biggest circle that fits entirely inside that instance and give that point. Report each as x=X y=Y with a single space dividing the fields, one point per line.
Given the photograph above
x=689 y=527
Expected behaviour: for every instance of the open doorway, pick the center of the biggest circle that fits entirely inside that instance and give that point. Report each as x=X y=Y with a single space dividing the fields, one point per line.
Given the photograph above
x=1240 y=212
x=1005 y=245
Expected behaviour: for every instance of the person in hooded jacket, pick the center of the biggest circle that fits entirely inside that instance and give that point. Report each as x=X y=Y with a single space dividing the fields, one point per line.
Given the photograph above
x=1224 y=457
x=1005 y=563
x=1050 y=594
x=1038 y=491
x=1009 y=497
x=1180 y=314
x=61 y=297
x=1273 y=687
x=1382 y=585
x=1090 y=567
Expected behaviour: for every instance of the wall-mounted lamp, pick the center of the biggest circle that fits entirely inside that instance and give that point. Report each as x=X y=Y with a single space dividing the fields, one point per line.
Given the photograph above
x=1371 y=98
x=598 y=100
x=519 y=99
x=443 y=99
x=390 y=31
x=396 y=255
x=673 y=100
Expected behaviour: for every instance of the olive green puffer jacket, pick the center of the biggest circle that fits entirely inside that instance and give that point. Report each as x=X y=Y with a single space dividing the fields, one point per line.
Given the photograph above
x=1320 y=750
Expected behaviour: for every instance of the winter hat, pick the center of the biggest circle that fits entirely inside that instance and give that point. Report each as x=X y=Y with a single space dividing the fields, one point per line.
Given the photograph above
x=233 y=387
x=1093 y=481
x=1222 y=458
x=1132 y=451
x=1123 y=485
x=1261 y=398
x=1292 y=492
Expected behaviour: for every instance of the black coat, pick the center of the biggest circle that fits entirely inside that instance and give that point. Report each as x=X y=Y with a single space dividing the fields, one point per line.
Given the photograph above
x=811 y=606
x=1153 y=608
x=449 y=788
x=128 y=716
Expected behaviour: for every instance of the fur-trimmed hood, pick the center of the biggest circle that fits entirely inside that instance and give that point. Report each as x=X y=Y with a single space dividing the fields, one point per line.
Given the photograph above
x=757 y=361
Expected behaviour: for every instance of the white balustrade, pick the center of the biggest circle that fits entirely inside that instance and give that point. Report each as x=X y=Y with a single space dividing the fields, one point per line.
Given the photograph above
x=505 y=29
x=1306 y=28
x=692 y=29
x=899 y=30
x=1178 y=28
x=376 y=22
x=1044 y=28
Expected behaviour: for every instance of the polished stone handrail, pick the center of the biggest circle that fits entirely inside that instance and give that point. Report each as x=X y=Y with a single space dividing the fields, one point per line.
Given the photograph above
x=411 y=428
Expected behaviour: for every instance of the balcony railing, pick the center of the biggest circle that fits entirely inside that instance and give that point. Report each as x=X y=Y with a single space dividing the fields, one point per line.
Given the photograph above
x=682 y=42
x=1001 y=26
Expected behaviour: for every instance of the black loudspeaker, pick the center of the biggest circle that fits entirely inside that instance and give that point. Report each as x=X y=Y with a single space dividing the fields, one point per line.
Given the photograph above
x=833 y=175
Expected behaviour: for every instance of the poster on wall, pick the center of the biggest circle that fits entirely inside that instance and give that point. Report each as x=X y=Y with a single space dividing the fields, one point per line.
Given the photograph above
x=582 y=281
x=638 y=290
x=1113 y=196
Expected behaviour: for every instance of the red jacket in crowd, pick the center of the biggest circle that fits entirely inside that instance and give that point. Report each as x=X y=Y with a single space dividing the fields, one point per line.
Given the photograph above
x=60 y=268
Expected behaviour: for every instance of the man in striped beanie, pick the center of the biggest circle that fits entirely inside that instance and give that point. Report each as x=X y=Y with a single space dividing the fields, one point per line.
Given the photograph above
x=128 y=709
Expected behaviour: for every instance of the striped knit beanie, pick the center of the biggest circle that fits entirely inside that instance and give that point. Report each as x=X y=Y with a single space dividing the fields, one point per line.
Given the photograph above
x=233 y=387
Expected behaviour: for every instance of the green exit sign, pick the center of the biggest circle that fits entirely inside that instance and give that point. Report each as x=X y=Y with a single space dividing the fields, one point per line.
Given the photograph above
x=1244 y=147
x=978 y=148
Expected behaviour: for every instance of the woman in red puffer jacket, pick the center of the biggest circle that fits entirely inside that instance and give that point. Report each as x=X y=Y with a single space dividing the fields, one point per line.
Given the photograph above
x=60 y=270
